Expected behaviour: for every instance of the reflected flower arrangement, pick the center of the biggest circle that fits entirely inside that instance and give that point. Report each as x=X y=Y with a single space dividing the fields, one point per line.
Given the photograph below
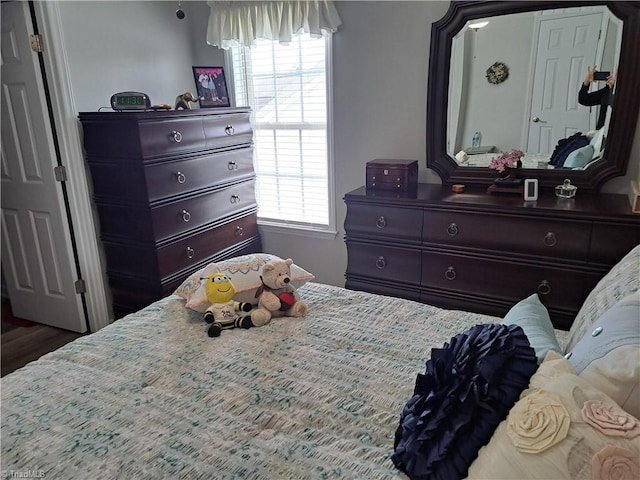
x=512 y=159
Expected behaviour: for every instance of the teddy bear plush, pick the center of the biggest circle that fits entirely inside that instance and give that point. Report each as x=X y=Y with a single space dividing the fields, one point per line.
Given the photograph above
x=223 y=313
x=277 y=297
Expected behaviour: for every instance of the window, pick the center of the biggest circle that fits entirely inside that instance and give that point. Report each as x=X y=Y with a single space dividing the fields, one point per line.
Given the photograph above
x=286 y=86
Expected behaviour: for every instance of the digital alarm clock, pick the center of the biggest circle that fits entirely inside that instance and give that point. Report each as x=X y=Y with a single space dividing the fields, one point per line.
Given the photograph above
x=130 y=101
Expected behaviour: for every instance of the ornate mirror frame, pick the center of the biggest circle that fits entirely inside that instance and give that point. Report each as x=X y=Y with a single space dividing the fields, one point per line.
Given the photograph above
x=623 y=117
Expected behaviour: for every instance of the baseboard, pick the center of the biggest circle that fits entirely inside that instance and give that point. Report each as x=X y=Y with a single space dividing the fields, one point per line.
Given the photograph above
x=634 y=197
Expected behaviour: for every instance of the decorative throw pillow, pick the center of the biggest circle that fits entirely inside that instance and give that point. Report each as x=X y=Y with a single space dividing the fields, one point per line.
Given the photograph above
x=533 y=317
x=622 y=279
x=467 y=389
x=618 y=326
x=566 y=428
x=609 y=353
x=244 y=272
x=618 y=375
x=579 y=158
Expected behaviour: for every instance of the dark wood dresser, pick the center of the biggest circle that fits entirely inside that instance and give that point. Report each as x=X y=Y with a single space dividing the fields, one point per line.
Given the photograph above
x=484 y=253
x=174 y=191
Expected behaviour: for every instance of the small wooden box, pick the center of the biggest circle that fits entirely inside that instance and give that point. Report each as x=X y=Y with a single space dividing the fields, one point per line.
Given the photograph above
x=400 y=175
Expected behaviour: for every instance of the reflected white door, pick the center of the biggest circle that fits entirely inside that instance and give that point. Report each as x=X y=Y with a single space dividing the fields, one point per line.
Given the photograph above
x=566 y=47
x=37 y=255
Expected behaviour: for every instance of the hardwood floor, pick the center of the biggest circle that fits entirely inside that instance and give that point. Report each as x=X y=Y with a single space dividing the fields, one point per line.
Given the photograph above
x=23 y=344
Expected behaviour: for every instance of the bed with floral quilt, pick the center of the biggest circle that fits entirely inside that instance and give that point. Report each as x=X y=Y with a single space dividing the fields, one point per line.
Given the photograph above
x=364 y=386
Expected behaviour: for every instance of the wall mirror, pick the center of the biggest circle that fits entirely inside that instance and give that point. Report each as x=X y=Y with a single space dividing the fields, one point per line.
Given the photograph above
x=543 y=48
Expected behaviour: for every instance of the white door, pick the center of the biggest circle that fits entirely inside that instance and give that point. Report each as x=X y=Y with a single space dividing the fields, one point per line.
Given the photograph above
x=37 y=255
x=566 y=47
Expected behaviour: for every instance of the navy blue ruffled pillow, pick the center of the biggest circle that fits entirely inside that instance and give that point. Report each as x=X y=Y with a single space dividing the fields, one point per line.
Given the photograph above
x=468 y=388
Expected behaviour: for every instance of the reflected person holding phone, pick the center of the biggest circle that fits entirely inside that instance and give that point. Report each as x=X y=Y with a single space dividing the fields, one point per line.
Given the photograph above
x=602 y=97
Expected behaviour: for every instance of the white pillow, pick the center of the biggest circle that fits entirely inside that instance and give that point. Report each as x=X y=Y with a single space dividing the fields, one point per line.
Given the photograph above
x=244 y=272
x=596 y=143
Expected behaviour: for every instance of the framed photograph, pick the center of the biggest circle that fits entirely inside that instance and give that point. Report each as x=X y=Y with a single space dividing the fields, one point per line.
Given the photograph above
x=211 y=86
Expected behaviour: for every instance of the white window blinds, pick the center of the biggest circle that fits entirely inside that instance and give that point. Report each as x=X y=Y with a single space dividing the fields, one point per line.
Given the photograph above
x=286 y=86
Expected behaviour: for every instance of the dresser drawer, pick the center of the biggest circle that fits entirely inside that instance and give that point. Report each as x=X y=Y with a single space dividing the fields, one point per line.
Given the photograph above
x=179 y=217
x=562 y=288
x=158 y=223
x=147 y=261
x=227 y=130
x=404 y=223
x=168 y=137
x=181 y=177
x=131 y=293
x=390 y=263
x=508 y=234
x=612 y=242
x=171 y=178
x=182 y=254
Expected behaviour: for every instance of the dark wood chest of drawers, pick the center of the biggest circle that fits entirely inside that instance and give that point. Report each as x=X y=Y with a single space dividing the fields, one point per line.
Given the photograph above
x=485 y=253
x=174 y=191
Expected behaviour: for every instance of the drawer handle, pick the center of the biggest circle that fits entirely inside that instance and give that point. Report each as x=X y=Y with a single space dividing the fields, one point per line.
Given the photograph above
x=381 y=222
x=177 y=136
x=232 y=165
x=450 y=274
x=186 y=216
x=235 y=198
x=544 y=288
x=452 y=229
x=239 y=231
x=229 y=130
x=550 y=239
x=381 y=262
x=190 y=252
x=181 y=178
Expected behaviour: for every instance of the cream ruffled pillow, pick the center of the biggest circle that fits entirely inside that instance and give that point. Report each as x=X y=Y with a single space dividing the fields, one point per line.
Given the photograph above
x=562 y=427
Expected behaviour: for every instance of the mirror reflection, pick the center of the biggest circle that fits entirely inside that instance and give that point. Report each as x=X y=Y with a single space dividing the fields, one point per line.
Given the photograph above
x=515 y=83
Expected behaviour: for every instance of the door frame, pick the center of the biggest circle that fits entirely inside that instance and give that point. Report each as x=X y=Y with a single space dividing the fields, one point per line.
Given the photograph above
x=67 y=131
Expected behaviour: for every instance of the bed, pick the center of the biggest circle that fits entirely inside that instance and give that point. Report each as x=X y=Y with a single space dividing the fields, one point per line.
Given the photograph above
x=537 y=160
x=578 y=159
x=152 y=396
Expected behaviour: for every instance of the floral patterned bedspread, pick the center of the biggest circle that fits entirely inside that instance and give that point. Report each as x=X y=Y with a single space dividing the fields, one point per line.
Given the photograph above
x=152 y=396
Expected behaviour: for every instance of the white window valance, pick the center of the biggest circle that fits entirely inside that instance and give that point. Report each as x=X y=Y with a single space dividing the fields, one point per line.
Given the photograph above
x=239 y=23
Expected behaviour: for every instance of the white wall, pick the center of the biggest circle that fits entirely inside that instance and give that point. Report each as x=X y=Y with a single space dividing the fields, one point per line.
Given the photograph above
x=142 y=46
x=380 y=79
x=496 y=110
x=202 y=53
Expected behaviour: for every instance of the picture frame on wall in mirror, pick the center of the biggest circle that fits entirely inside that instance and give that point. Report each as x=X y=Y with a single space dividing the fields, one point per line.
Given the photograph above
x=211 y=85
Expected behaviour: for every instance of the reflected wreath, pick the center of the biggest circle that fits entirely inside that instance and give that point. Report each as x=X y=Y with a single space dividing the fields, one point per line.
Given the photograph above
x=497 y=73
